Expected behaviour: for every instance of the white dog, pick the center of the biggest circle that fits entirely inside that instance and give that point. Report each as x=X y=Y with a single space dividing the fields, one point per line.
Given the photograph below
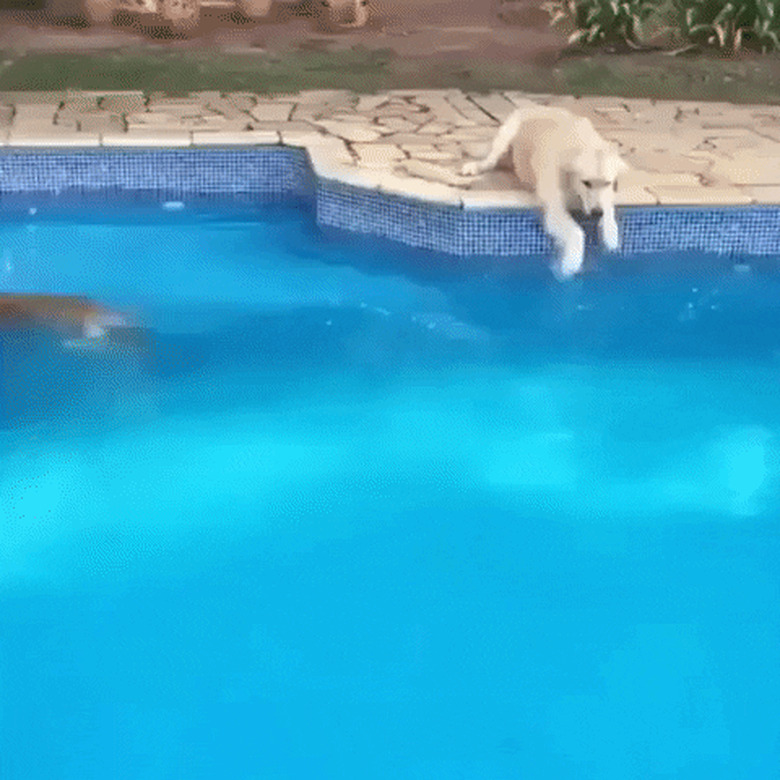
x=564 y=159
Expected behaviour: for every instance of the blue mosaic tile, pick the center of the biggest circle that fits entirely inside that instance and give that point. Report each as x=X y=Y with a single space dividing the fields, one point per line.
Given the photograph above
x=502 y=232
x=271 y=170
x=429 y=226
x=751 y=230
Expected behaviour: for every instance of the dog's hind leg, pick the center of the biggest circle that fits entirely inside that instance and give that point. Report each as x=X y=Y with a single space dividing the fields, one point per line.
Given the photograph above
x=501 y=143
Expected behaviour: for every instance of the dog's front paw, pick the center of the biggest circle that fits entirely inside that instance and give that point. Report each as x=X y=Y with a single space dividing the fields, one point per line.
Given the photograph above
x=609 y=235
x=572 y=257
x=470 y=169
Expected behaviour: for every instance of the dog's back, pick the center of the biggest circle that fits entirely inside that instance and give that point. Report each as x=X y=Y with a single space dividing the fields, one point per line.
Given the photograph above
x=533 y=134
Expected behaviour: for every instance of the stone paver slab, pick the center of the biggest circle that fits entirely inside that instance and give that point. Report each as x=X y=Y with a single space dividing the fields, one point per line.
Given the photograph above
x=333 y=97
x=147 y=137
x=350 y=131
x=237 y=101
x=343 y=117
x=419 y=189
x=301 y=137
x=635 y=195
x=377 y=155
x=737 y=143
x=206 y=95
x=177 y=108
x=271 y=112
x=121 y=103
x=766 y=194
x=693 y=196
x=475 y=150
x=66 y=122
x=390 y=125
x=35 y=112
x=437 y=173
x=210 y=122
x=469 y=109
x=746 y=169
x=369 y=103
x=457 y=139
x=661 y=162
x=435 y=128
x=332 y=148
x=399 y=139
x=233 y=138
x=278 y=127
x=524 y=99
x=329 y=170
x=398 y=108
x=28 y=98
x=647 y=178
x=431 y=154
x=54 y=137
x=311 y=113
x=445 y=111
x=79 y=103
x=498 y=199
x=33 y=128
x=227 y=109
x=495 y=105
x=770 y=132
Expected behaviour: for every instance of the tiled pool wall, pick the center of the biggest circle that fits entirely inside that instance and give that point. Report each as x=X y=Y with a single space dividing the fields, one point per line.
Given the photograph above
x=268 y=174
x=279 y=174
x=738 y=230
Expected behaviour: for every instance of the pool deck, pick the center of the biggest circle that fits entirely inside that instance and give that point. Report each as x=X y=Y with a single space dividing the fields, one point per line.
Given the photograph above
x=413 y=142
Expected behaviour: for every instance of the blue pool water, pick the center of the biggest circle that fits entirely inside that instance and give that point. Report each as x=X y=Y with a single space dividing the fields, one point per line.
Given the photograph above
x=342 y=510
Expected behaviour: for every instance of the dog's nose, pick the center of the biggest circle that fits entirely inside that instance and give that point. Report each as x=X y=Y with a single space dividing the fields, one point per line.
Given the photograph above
x=598 y=212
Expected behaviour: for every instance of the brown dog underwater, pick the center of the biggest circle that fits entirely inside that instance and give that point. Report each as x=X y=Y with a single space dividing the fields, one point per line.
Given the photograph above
x=73 y=316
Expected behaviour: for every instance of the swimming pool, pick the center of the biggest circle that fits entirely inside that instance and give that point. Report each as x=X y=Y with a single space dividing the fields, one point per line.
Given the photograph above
x=349 y=511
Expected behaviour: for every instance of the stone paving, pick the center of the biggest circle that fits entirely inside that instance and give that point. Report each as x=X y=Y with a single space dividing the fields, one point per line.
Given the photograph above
x=413 y=142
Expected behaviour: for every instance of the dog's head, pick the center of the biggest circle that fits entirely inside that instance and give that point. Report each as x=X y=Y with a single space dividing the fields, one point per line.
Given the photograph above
x=342 y=13
x=594 y=177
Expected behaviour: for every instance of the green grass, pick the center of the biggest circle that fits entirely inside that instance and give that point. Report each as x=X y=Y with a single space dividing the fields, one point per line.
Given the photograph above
x=362 y=70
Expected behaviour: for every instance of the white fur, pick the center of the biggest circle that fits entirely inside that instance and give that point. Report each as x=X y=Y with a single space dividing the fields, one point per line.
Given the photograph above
x=96 y=325
x=564 y=159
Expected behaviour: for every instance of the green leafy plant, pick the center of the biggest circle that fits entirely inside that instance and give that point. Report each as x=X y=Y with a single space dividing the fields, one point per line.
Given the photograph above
x=730 y=25
x=599 y=22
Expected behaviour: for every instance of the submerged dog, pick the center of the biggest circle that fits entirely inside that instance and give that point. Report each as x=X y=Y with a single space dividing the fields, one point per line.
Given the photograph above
x=73 y=316
x=567 y=163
